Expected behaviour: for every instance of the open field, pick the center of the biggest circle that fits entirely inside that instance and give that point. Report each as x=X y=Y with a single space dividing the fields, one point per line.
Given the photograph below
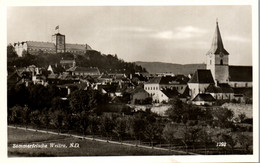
x=62 y=148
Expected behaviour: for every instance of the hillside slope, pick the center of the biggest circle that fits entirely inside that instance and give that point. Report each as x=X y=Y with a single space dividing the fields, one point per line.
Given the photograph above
x=159 y=67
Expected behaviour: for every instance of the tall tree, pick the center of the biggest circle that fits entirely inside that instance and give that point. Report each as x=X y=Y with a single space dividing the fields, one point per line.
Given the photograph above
x=169 y=132
x=11 y=53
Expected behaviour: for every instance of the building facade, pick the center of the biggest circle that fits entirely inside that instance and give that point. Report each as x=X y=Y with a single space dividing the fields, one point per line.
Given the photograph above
x=58 y=45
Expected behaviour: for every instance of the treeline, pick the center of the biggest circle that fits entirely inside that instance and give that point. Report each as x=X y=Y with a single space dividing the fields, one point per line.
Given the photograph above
x=188 y=127
x=105 y=63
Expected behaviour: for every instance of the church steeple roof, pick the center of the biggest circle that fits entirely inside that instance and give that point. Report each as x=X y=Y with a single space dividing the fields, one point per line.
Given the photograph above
x=217 y=45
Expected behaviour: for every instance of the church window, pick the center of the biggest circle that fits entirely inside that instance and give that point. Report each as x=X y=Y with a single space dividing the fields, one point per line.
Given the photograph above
x=210 y=62
x=221 y=62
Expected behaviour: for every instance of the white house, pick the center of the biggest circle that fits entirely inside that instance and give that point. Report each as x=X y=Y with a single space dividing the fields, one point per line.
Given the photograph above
x=199 y=82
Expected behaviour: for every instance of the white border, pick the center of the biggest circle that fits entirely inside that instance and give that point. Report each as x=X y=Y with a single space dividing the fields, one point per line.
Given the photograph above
x=223 y=158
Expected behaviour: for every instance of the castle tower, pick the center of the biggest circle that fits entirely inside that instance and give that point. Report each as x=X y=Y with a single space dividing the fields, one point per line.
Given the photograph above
x=217 y=59
x=59 y=41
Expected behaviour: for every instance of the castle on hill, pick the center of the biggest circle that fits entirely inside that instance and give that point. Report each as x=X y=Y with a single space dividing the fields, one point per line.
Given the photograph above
x=58 y=45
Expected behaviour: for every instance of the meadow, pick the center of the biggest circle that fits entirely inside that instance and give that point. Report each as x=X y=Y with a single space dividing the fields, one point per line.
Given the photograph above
x=80 y=148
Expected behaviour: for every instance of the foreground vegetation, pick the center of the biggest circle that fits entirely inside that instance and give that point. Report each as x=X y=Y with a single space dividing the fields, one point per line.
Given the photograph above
x=202 y=130
x=86 y=147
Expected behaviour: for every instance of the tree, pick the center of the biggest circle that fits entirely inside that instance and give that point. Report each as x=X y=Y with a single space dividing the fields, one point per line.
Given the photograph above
x=169 y=132
x=224 y=117
x=58 y=118
x=14 y=115
x=176 y=111
x=106 y=125
x=137 y=125
x=45 y=118
x=120 y=127
x=18 y=95
x=152 y=131
x=94 y=123
x=231 y=142
x=242 y=117
x=82 y=101
x=11 y=53
x=205 y=137
x=194 y=134
x=245 y=141
x=26 y=115
x=38 y=97
x=35 y=118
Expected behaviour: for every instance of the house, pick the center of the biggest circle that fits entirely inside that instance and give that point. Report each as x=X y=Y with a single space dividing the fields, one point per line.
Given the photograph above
x=203 y=99
x=13 y=79
x=105 y=78
x=169 y=94
x=155 y=85
x=139 y=96
x=184 y=95
x=84 y=71
x=55 y=69
x=199 y=82
x=39 y=79
x=138 y=79
x=109 y=89
x=67 y=63
x=221 y=92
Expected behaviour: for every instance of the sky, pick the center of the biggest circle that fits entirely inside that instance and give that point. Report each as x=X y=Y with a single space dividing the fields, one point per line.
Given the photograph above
x=172 y=34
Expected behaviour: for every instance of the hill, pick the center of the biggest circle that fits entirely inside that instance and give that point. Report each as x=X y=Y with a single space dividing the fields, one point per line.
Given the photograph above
x=159 y=67
x=105 y=62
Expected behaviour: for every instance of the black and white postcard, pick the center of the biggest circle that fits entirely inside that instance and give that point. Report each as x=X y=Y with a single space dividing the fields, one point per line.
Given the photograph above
x=159 y=82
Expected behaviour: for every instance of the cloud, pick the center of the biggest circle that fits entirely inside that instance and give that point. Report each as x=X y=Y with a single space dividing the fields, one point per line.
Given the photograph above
x=237 y=38
x=180 y=33
x=132 y=29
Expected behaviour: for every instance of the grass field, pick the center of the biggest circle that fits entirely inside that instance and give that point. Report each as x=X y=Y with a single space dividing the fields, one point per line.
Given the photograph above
x=85 y=148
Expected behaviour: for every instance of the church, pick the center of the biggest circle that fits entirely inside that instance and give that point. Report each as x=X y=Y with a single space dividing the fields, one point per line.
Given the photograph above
x=58 y=45
x=221 y=80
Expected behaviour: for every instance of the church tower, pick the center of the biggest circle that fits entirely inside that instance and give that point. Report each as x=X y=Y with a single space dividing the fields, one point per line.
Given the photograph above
x=217 y=59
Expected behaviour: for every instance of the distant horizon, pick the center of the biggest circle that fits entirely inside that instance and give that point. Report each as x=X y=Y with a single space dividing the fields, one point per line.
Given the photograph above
x=184 y=64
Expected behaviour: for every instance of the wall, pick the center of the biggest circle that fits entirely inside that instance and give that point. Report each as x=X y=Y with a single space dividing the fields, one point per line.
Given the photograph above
x=196 y=88
x=240 y=84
